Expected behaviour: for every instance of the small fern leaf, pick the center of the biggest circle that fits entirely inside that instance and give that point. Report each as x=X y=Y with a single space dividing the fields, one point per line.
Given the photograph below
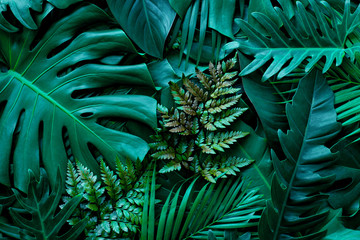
x=199 y=94
x=166 y=154
x=112 y=183
x=216 y=106
x=171 y=166
x=204 y=80
x=224 y=91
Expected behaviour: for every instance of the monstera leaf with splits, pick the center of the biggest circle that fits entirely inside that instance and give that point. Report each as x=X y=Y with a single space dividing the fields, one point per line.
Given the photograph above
x=46 y=86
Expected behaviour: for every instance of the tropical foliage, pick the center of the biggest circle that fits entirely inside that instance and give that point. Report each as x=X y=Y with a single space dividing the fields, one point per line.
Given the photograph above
x=192 y=133
x=179 y=119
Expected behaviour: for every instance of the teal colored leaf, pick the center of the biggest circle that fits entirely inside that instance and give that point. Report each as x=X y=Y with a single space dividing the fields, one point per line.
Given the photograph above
x=180 y=6
x=298 y=206
x=62 y=4
x=309 y=40
x=22 y=10
x=265 y=7
x=269 y=103
x=46 y=221
x=221 y=14
x=230 y=205
x=55 y=85
x=146 y=22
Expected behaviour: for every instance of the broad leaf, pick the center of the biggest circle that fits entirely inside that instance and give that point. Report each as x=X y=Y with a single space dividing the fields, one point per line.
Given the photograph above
x=297 y=210
x=42 y=205
x=146 y=22
x=56 y=86
x=180 y=6
x=221 y=14
x=314 y=35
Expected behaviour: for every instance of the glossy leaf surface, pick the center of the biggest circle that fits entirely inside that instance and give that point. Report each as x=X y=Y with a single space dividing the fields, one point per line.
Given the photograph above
x=297 y=205
x=55 y=84
x=146 y=22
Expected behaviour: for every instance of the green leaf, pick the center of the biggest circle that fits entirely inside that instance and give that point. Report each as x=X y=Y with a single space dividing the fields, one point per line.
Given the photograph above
x=221 y=13
x=305 y=41
x=153 y=22
x=21 y=9
x=300 y=180
x=55 y=84
x=265 y=7
x=180 y=6
x=269 y=102
x=229 y=206
x=42 y=205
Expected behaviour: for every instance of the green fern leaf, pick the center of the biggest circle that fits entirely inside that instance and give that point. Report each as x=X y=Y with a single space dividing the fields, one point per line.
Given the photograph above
x=199 y=94
x=112 y=183
x=204 y=80
x=169 y=167
x=224 y=91
x=165 y=154
x=218 y=105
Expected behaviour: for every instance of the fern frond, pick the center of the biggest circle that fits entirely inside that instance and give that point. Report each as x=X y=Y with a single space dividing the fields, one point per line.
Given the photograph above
x=170 y=166
x=199 y=94
x=218 y=105
x=204 y=80
x=224 y=91
x=92 y=188
x=112 y=183
x=73 y=186
x=162 y=109
x=165 y=154
x=226 y=118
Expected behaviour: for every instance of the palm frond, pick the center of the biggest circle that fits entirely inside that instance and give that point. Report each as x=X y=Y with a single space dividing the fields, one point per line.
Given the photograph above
x=230 y=205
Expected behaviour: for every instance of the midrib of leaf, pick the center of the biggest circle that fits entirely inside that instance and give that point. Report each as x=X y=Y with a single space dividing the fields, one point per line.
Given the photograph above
x=148 y=20
x=46 y=96
x=290 y=185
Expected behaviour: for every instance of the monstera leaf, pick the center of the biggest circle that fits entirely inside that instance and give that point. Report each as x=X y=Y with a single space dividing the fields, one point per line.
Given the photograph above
x=297 y=210
x=22 y=11
x=54 y=83
x=147 y=22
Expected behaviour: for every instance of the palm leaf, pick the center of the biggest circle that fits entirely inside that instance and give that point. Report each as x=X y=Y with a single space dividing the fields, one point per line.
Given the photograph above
x=42 y=205
x=305 y=42
x=55 y=83
x=297 y=206
x=228 y=206
x=153 y=20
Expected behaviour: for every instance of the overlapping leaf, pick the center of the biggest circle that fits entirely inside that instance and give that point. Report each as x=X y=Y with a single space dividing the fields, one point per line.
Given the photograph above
x=42 y=205
x=147 y=22
x=314 y=35
x=21 y=9
x=229 y=206
x=55 y=84
x=297 y=208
